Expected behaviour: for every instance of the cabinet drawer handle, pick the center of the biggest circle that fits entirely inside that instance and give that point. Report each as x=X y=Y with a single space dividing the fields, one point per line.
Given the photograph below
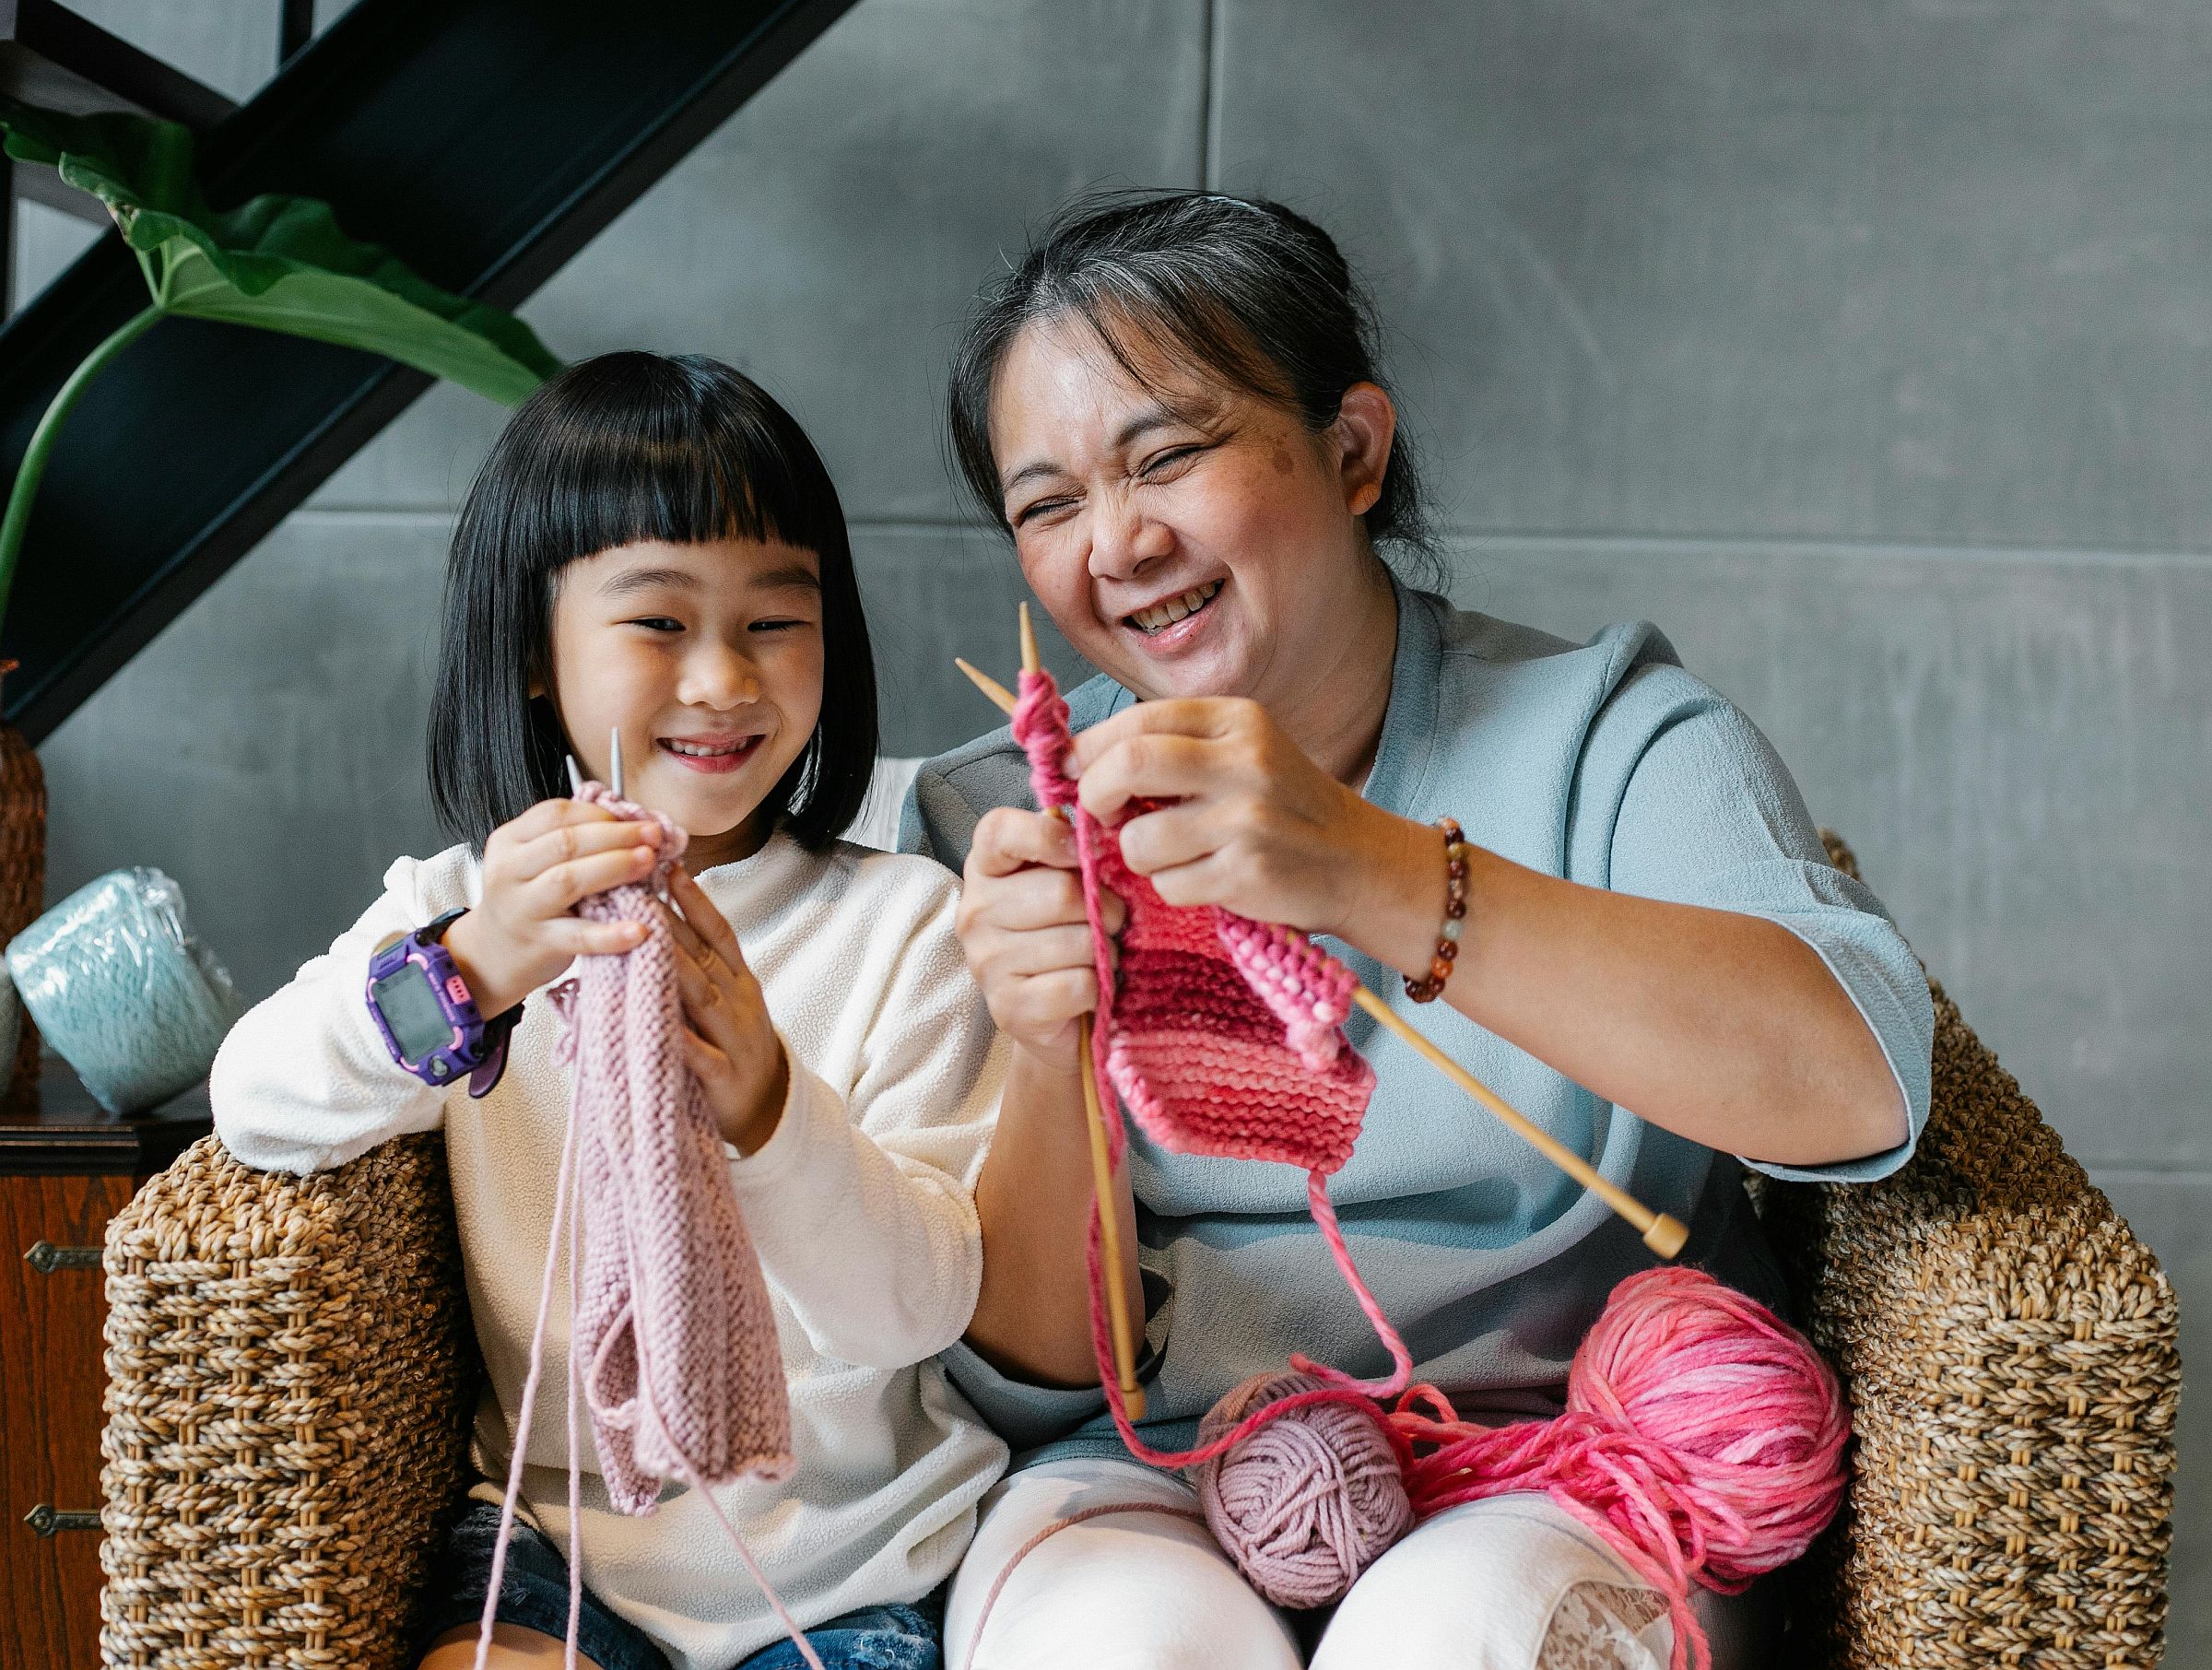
x=45 y=1258
x=46 y=1519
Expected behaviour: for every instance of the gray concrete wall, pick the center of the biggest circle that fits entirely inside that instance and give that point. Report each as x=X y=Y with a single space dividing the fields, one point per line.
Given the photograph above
x=1867 y=348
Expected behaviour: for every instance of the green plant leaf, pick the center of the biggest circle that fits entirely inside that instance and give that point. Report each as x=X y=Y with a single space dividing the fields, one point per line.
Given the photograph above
x=275 y=262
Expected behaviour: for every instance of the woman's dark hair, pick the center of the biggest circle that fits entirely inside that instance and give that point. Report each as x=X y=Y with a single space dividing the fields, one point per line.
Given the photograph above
x=623 y=448
x=1246 y=290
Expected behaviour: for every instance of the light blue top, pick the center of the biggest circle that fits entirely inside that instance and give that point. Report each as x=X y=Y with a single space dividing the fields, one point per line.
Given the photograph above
x=1605 y=763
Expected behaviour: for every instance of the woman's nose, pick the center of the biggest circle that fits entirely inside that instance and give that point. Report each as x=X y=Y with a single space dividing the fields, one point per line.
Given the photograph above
x=1124 y=542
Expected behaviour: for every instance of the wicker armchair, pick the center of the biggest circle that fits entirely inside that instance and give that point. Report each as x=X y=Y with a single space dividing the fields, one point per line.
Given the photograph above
x=290 y=1365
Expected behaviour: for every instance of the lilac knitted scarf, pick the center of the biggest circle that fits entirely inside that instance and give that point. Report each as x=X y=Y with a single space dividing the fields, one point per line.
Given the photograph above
x=673 y=1333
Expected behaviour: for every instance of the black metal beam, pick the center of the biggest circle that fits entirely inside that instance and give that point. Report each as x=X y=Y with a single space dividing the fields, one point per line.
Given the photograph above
x=483 y=141
x=51 y=56
x=294 y=29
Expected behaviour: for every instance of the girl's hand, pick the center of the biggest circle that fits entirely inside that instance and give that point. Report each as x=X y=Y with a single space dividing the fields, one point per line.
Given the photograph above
x=1258 y=828
x=522 y=933
x=1022 y=925
x=729 y=1042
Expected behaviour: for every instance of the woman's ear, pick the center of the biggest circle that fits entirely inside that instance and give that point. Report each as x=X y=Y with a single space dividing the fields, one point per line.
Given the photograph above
x=1366 y=422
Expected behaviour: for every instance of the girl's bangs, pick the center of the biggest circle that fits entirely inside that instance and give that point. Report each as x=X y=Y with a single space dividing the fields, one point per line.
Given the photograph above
x=685 y=462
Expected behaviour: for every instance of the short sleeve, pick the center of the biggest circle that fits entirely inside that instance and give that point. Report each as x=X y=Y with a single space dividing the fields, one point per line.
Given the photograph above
x=1708 y=814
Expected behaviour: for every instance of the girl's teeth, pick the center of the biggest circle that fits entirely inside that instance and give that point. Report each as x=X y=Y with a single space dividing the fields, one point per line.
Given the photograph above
x=683 y=747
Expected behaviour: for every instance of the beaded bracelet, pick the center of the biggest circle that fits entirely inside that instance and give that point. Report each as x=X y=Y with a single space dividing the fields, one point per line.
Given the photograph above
x=1431 y=987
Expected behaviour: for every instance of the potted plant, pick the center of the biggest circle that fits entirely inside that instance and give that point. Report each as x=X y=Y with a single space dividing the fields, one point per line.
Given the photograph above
x=274 y=263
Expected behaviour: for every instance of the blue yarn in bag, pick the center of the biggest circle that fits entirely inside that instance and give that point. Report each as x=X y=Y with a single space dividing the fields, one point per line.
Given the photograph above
x=123 y=991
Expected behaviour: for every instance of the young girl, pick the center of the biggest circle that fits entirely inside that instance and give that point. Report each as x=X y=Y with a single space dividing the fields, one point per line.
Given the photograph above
x=655 y=549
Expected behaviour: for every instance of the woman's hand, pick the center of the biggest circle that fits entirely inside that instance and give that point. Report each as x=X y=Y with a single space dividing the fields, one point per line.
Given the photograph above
x=522 y=932
x=1258 y=827
x=729 y=1042
x=1022 y=927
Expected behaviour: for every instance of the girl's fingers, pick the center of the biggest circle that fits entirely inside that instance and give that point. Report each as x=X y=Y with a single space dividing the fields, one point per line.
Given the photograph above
x=559 y=888
x=708 y=1063
x=578 y=938
x=702 y=999
x=566 y=842
x=704 y=920
x=686 y=939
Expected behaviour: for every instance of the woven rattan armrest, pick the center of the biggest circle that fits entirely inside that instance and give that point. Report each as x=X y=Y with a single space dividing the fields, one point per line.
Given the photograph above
x=289 y=1364
x=2011 y=1354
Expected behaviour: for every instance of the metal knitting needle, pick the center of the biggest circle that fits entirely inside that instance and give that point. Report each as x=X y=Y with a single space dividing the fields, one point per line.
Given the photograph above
x=1663 y=1234
x=614 y=771
x=575 y=778
x=1101 y=1162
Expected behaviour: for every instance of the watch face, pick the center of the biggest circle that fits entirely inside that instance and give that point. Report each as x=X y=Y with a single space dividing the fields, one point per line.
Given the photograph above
x=411 y=1009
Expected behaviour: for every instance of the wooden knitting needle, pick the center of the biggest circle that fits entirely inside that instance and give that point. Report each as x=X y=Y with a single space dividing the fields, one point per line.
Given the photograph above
x=1663 y=1234
x=1101 y=1162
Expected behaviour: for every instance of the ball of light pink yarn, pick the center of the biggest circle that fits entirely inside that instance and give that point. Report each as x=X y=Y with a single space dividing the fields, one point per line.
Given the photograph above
x=1308 y=1503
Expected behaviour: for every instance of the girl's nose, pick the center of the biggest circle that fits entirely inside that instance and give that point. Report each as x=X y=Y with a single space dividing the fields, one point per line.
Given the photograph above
x=720 y=677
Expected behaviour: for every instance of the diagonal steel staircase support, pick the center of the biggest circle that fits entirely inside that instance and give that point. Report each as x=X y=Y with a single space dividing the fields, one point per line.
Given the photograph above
x=484 y=142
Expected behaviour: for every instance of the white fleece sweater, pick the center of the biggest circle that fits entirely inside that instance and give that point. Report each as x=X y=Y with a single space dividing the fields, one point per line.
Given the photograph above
x=860 y=1205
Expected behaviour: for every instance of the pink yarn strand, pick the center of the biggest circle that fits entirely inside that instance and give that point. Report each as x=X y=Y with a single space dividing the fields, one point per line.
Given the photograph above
x=521 y=1440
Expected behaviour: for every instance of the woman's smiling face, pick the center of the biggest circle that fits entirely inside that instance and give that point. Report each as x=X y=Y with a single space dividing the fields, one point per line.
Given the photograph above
x=708 y=659
x=1189 y=539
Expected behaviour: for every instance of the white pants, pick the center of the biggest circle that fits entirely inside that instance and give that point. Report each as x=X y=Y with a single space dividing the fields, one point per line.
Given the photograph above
x=1513 y=1584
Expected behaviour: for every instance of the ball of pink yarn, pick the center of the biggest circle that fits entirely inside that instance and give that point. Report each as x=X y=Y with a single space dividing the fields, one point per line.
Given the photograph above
x=1308 y=1503
x=1751 y=1411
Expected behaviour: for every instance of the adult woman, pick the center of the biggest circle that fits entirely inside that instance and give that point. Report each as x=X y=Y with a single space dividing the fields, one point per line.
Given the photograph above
x=1173 y=406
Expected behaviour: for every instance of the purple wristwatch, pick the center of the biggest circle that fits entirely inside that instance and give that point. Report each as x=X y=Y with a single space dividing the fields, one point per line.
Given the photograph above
x=429 y=1020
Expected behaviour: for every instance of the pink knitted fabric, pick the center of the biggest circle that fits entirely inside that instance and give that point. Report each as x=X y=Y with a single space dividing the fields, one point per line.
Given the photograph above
x=676 y=1335
x=672 y=1331
x=1224 y=1037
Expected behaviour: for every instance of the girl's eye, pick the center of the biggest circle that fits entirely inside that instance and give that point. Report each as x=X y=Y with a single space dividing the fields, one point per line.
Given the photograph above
x=658 y=623
x=776 y=626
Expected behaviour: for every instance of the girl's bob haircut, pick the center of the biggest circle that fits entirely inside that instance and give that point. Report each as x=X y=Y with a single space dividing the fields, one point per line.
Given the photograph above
x=617 y=449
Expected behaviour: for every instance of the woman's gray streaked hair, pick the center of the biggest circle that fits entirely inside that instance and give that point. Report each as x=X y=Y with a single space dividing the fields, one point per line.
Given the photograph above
x=1250 y=293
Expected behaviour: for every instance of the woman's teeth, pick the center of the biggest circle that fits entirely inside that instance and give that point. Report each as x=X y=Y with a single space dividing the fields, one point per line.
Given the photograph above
x=700 y=751
x=1161 y=616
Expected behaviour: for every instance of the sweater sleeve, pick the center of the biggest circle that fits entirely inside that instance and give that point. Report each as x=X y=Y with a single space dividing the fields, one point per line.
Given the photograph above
x=1709 y=816
x=861 y=1203
x=304 y=1082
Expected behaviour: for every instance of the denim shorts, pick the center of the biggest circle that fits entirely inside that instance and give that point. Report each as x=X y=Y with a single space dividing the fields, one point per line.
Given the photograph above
x=534 y=1594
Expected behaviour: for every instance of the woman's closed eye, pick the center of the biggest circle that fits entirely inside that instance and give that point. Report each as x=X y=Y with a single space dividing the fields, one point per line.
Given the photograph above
x=1043 y=507
x=1163 y=464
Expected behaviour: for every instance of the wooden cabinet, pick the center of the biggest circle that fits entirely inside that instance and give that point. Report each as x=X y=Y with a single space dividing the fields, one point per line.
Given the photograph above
x=65 y=1171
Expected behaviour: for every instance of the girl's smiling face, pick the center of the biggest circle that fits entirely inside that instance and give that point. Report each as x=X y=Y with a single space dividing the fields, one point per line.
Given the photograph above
x=708 y=659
